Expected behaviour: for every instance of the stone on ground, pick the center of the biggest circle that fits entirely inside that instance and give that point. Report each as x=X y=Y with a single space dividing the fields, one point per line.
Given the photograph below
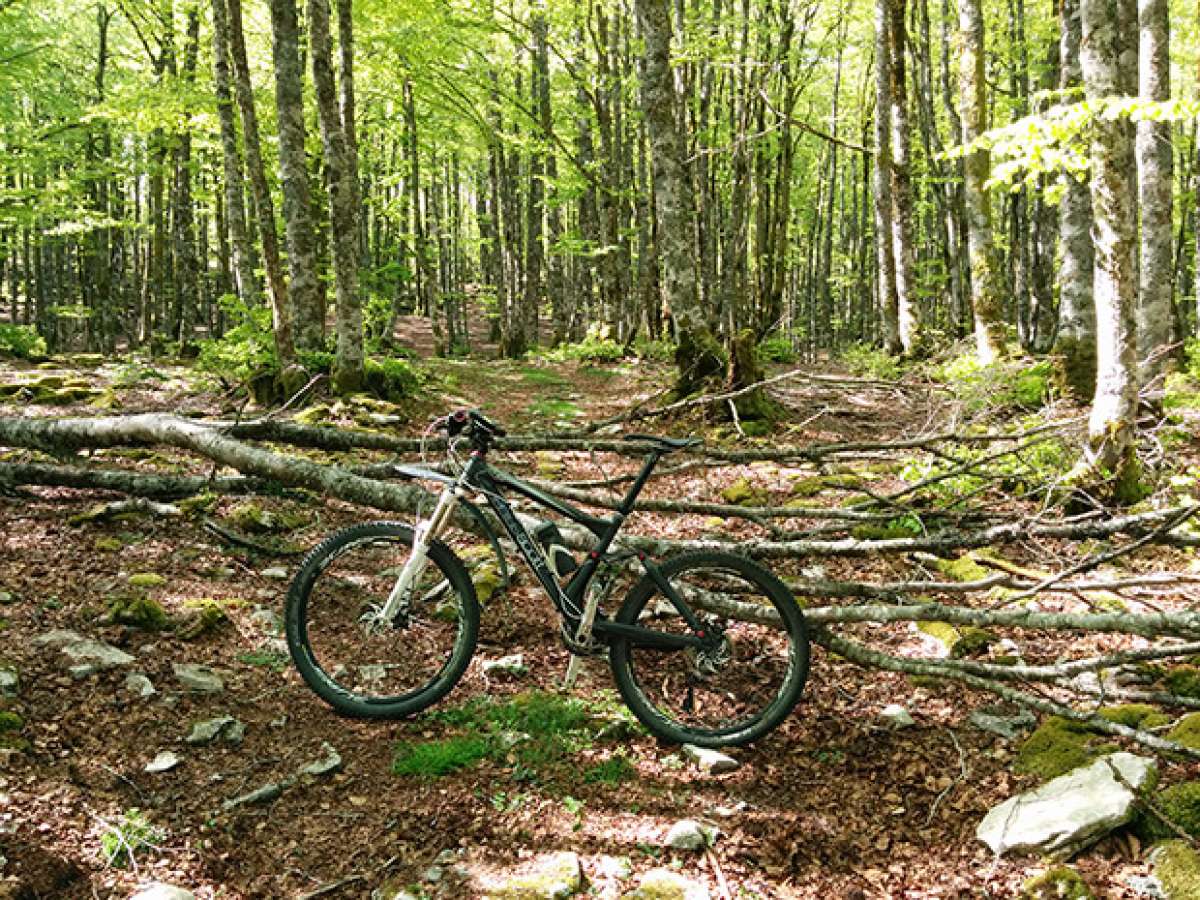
x=1071 y=812
x=711 y=761
x=163 y=892
x=196 y=677
x=896 y=716
x=328 y=764
x=275 y=574
x=163 y=762
x=139 y=685
x=209 y=730
x=264 y=794
x=663 y=884
x=553 y=877
x=688 y=834
x=505 y=665
x=10 y=682
x=84 y=656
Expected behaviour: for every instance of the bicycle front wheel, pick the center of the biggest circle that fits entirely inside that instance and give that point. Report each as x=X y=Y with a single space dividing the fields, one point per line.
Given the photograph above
x=359 y=664
x=751 y=672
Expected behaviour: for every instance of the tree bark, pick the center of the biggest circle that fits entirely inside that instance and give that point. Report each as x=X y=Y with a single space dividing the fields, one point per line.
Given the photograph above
x=885 y=252
x=282 y=315
x=1155 y=156
x=987 y=292
x=1076 y=343
x=1105 y=59
x=342 y=178
x=908 y=314
x=698 y=356
x=308 y=297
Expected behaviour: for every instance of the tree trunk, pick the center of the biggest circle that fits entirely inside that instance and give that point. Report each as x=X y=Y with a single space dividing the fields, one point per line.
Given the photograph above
x=902 y=192
x=308 y=296
x=1155 y=156
x=282 y=314
x=341 y=174
x=1112 y=445
x=697 y=356
x=987 y=295
x=885 y=251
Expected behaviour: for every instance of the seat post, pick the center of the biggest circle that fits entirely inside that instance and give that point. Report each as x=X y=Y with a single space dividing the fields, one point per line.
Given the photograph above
x=631 y=498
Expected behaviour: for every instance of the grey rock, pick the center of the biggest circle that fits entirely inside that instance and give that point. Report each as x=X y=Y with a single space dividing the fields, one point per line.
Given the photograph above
x=664 y=884
x=730 y=810
x=163 y=892
x=1071 y=812
x=84 y=656
x=711 y=761
x=1007 y=727
x=328 y=764
x=196 y=677
x=896 y=716
x=6 y=597
x=164 y=762
x=264 y=794
x=139 y=685
x=688 y=834
x=555 y=876
x=447 y=857
x=505 y=665
x=209 y=730
x=390 y=892
x=433 y=875
x=275 y=574
x=10 y=682
x=615 y=867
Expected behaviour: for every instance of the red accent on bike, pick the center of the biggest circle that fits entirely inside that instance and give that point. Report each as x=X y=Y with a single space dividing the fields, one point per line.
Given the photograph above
x=594 y=555
x=699 y=634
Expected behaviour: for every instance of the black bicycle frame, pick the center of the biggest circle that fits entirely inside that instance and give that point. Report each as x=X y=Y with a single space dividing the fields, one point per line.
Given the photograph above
x=484 y=477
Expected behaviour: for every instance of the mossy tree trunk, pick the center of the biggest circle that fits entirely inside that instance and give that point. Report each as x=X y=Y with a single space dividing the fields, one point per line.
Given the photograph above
x=698 y=355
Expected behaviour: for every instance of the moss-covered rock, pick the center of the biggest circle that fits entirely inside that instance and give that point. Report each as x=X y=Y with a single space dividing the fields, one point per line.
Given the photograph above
x=549 y=463
x=1058 y=746
x=253 y=518
x=942 y=632
x=1135 y=715
x=137 y=612
x=108 y=544
x=199 y=504
x=10 y=721
x=1180 y=803
x=743 y=493
x=1186 y=731
x=812 y=485
x=1183 y=681
x=146 y=580
x=484 y=569
x=1059 y=883
x=1177 y=867
x=317 y=414
x=201 y=617
x=972 y=642
x=965 y=568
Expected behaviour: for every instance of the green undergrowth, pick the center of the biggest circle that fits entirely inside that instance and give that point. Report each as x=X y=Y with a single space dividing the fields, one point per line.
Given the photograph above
x=1058 y=746
x=1179 y=804
x=871 y=362
x=22 y=342
x=1013 y=383
x=595 y=347
x=531 y=734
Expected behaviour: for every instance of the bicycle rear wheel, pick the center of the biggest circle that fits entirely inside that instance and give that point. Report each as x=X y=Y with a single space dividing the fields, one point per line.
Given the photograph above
x=748 y=678
x=358 y=664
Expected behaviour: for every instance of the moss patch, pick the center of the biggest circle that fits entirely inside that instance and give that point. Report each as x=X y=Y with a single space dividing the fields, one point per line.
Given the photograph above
x=972 y=642
x=1183 y=681
x=1059 y=883
x=146 y=580
x=137 y=612
x=1180 y=803
x=965 y=568
x=743 y=493
x=1178 y=869
x=1135 y=715
x=1187 y=731
x=1058 y=746
x=942 y=632
x=813 y=485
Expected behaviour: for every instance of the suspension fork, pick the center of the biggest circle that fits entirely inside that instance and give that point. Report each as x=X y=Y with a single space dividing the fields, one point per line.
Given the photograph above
x=425 y=533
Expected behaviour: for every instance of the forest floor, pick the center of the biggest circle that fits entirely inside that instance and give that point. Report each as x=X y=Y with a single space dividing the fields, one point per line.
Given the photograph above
x=833 y=804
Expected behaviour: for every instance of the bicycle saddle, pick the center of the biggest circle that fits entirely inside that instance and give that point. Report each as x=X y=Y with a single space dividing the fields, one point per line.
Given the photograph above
x=665 y=444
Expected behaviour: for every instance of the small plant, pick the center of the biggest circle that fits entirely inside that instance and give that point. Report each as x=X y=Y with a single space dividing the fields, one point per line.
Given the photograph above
x=863 y=359
x=434 y=758
x=274 y=660
x=130 y=835
x=659 y=351
x=391 y=378
x=21 y=341
x=593 y=348
x=615 y=770
x=776 y=348
x=575 y=808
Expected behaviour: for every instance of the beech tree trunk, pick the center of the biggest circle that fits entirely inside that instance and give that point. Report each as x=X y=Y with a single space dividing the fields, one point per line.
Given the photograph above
x=308 y=297
x=1112 y=426
x=698 y=355
x=342 y=179
x=282 y=315
x=902 y=192
x=884 y=247
x=1076 y=343
x=1155 y=156
x=987 y=289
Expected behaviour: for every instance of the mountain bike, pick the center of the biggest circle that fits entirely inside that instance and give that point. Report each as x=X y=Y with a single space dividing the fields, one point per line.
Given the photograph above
x=708 y=648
